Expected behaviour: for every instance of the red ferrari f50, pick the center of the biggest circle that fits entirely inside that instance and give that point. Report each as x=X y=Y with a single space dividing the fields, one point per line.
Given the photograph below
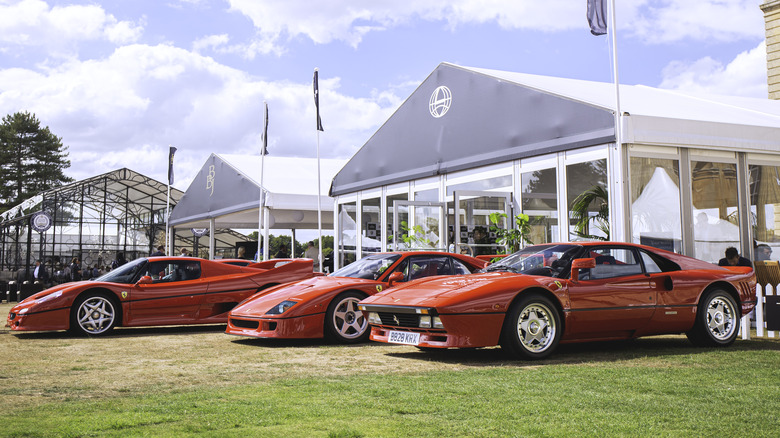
x=153 y=291
x=543 y=295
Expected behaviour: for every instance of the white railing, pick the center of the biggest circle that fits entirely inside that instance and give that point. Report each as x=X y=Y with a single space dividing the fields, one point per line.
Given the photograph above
x=761 y=331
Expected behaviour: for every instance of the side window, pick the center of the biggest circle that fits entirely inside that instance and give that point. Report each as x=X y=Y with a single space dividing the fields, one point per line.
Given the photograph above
x=427 y=266
x=650 y=265
x=611 y=263
x=171 y=271
x=459 y=268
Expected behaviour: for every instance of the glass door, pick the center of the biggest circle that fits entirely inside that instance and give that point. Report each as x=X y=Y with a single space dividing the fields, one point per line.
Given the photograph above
x=472 y=233
x=424 y=227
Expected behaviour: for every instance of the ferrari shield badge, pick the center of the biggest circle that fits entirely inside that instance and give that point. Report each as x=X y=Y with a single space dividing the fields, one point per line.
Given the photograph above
x=124 y=294
x=379 y=288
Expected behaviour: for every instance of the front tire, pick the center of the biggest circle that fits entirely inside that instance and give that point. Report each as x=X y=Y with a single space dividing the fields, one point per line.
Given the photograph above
x=93 y=314
x=532 y=328
x=344 y=323
x=717 y=320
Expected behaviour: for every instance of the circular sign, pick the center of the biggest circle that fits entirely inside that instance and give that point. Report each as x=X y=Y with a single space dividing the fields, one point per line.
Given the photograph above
x=440 y=102
x=40 y=221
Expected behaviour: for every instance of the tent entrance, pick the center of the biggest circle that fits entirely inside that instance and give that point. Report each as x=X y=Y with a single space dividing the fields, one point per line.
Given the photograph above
x=419 y=226
x=472 y=211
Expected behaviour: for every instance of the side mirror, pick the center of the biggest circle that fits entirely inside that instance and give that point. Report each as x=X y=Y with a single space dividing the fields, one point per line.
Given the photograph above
x=394 y=278
x=144 y=280
x=578 y=264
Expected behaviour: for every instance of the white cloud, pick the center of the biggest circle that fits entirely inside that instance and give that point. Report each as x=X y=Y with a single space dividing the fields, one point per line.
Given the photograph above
x=124 y=111
x=745 y=76
x=348 y=21
x=33 y=23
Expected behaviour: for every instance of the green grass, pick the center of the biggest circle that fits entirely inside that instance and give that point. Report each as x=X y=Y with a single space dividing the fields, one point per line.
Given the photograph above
x=635 y=390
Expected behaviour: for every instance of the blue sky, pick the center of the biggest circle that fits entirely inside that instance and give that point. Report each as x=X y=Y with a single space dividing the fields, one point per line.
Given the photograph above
x=121 y=80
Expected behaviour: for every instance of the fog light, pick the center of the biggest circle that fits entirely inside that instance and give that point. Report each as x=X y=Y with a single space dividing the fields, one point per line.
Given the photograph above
x=437 y=323
x=373 y=318
x=425 y=321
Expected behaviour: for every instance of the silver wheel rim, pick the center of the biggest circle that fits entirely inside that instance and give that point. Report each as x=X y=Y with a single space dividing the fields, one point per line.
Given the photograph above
x=348 y=320
x=721 y=318
x=536 y=328
x=95 y=315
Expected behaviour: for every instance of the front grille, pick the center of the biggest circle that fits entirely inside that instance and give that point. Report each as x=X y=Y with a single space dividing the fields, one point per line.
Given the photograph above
x=242 y=323
x=400 y=319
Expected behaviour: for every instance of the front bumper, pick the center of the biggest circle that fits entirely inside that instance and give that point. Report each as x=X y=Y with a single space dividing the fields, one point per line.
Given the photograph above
x=302 y=327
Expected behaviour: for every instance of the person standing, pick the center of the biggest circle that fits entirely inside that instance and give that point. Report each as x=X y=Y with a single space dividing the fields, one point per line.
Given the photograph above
x=160 y=251
x=312 y=253
x=118 y=261
x=75 y=269
x=39 y=273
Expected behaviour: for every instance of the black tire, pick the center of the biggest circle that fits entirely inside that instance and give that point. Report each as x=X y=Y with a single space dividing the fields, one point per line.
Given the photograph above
x=532 y=328
x=717 y=320
x=344 y=323
x=94 y=313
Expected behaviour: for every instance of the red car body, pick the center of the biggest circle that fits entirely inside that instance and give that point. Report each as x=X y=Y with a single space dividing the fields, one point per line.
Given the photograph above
x=327 y=306
x=571 y=292
x=150 y=292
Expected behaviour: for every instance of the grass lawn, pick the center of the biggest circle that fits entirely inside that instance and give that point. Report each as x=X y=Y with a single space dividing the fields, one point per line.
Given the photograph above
x=188 y=381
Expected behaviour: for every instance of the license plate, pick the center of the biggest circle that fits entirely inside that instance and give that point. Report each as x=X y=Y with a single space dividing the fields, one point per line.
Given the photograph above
x=407 y=338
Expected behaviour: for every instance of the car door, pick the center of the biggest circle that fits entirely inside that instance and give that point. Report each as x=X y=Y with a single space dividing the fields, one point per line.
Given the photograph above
x=173 y=297
x=613 y=299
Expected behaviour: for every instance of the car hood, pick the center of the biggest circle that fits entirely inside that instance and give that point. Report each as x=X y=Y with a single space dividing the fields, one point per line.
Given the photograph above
x=431 y=292
x=301 y=291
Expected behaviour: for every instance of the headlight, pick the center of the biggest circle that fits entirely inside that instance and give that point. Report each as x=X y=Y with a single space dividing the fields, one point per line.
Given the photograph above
x=281 y=307
x=51 y=296
x=437 y=323
x=373 y=318
x=425 y=321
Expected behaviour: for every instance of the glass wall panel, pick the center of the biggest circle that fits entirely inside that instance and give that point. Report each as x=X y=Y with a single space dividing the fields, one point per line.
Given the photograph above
x=588 y=200
x=540 y=203
x=371 y=228
x=655 y=203
x=347 y=233
x=765 y=211
x=403 y=216
x=716 y=221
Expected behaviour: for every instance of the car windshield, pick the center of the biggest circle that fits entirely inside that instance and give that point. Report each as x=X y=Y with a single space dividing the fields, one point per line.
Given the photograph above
x=370 y=267
x=549 y=260
x=125 y=274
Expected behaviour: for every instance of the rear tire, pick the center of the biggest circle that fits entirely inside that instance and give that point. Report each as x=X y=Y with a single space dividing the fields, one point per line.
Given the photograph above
x=93 y=314
x=344 y=323
x=532 y=328
x=717 y=320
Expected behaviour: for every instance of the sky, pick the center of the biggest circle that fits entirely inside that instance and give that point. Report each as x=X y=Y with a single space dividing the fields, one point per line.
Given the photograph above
x=120 y=81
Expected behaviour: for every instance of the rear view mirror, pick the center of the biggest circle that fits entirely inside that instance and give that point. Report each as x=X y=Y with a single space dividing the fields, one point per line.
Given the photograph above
x=144 y=280
x=578 y=264
x=395 y=277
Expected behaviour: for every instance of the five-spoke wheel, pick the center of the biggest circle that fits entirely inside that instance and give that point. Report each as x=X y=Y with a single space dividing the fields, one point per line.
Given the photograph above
x=93 y=314
x=717 y=320
x=344 y=322
x=532 y=328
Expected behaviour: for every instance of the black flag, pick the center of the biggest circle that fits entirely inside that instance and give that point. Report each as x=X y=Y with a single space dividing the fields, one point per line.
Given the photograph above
x=597 y=16
x=265 y=132
x=317 y=99
x=171 y=151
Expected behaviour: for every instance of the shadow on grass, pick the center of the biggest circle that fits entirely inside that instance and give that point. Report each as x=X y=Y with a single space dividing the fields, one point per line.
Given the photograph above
x=588 y=352
x=127 y=332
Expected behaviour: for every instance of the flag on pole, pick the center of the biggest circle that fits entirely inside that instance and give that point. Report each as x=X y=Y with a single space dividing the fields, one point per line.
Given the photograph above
x=171 y=151
x=317 y=99
x=597 y=16
x=265 y=131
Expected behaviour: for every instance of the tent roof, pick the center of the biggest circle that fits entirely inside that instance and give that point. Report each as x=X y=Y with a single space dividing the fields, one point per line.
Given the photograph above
x=227 y=188
x=497 y=116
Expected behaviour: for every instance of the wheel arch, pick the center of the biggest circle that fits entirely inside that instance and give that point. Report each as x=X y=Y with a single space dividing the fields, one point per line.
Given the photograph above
x=108 y=293
x=726 y=287
x=545 y=293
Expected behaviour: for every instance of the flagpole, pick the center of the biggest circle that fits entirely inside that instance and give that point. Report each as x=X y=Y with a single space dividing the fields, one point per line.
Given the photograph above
x=261 y=226
x=168 y=237
x=618 y=118
x=319 y=179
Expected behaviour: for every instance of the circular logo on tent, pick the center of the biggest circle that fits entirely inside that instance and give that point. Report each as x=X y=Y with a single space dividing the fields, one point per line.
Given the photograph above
x=40 y=221
x=440 y=102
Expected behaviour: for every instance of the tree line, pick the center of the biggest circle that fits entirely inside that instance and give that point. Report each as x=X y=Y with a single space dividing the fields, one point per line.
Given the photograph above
x=32 y=159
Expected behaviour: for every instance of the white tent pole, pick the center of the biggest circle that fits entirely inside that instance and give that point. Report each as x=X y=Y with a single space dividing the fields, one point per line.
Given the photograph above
x=262 y=243
x=319 y=203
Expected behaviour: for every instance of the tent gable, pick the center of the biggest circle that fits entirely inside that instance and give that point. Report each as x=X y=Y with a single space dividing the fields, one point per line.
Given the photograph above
x=477 y=120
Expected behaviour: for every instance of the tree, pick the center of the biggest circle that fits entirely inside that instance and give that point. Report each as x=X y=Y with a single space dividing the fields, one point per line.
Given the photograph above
x=599 y=196
x=32 y=159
